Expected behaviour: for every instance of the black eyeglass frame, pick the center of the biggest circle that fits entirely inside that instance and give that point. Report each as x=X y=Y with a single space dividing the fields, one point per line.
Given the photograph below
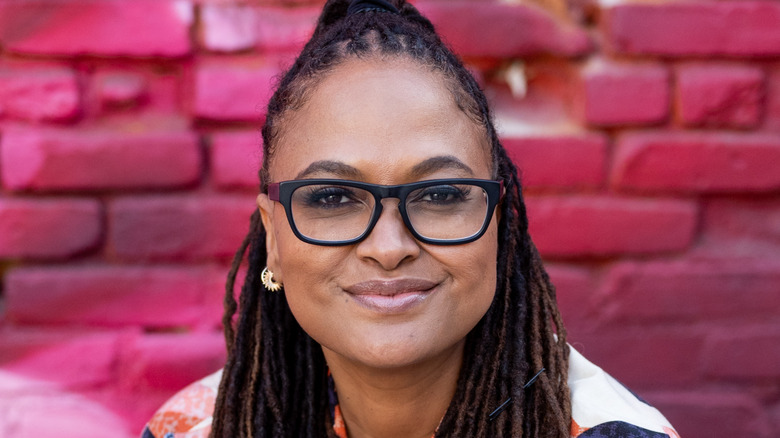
x=282 y=192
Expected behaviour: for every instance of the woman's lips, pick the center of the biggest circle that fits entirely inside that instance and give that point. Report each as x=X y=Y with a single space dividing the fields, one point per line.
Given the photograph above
x=391 y=296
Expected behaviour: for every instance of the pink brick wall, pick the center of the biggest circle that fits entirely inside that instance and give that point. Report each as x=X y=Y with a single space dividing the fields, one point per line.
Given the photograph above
x=648 y=134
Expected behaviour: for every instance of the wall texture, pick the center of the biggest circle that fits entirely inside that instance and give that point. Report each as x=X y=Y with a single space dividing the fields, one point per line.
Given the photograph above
x=648 y=134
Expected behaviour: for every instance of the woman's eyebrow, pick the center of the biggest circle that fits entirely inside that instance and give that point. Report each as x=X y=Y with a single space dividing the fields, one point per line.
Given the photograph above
x=434 y=164
x=334 y=167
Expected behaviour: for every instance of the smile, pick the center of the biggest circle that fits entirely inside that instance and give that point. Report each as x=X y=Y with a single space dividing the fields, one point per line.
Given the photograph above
x=391 y=296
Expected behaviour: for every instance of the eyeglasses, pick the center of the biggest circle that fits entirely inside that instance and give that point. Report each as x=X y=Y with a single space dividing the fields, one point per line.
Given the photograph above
x=333 y=212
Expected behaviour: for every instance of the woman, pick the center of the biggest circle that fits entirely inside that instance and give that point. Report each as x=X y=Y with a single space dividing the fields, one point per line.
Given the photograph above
x=393 y=290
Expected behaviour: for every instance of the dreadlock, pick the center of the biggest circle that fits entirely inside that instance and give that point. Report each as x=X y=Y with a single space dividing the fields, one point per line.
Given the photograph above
x=275 y=380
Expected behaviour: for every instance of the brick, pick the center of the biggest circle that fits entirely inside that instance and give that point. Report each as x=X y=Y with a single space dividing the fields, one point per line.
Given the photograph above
x=716 y=414
x=178 y=228
x=233 y=91
x=697 y=162
x=644 y=357
x=60 y=414
x=227 y=27
x=97 y=159
x=41 y=359
x=625 y=94
x=747 y=355
x=140 y=28
x=741 y=227
x=285 y=29
x=559 y=161
x=39 y=93
x=773 y=100
x=690 y=291
x=720 y=95
x=113 y=296
x=695 y=28
x=567 y=226
x=503 y=30
x=574 y=287
x=155 y=361
x=120 y=89
x=48 y=228
x=236 y=158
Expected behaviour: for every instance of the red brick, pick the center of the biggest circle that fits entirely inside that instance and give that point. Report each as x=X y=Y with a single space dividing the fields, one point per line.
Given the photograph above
x=697 y=162
x=752 y=355
x=741 y=227
x=625 y=94
x=139 y=28
x=40 y=359
x=227 y=27
x=115 y=295
x=39 y=93
x=574 y=288
x=236 y=158
x=645 y=358
x=565 y=226
x=715 y=414
x=698 y=28
x=155 y=361
x=233 y=91
x=773 y=100
x=503 y=30
x=175 y=227
x=720 y=95
x=48 y=228
x=285 y=29
x=559 y=161
x=97 y=159
x=692 y=291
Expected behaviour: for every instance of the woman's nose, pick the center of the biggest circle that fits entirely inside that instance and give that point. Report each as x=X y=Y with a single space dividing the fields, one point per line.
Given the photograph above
x=390 y=243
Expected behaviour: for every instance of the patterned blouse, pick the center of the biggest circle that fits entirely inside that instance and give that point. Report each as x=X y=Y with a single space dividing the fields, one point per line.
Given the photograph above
x=601 y=408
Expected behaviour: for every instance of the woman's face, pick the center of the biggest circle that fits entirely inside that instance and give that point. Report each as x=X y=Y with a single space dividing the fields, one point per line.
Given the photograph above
x=383 y=122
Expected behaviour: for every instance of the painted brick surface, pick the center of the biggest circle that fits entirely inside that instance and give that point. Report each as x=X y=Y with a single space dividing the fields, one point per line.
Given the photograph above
x=647 y=134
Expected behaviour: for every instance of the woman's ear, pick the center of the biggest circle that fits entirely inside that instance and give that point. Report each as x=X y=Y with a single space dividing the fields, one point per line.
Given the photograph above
x=266 y=207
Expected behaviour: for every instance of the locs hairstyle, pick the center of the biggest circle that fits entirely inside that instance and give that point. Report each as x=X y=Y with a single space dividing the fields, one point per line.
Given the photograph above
x=275 y=381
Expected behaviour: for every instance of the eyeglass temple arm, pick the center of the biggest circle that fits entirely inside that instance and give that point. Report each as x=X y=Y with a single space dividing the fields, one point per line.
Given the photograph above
x=273 y=191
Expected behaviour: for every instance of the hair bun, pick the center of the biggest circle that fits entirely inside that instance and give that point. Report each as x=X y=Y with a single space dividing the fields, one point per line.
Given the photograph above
x=357 y=6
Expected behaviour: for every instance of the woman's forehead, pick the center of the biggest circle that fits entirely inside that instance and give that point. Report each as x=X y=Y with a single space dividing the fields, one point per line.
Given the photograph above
x=388 y=113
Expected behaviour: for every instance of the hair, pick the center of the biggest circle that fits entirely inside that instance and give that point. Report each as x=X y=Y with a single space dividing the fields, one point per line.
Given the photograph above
x=275 y=380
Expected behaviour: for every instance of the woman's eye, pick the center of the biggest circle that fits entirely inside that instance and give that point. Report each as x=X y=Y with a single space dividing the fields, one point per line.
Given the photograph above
x=441 y=194
x=330 y=197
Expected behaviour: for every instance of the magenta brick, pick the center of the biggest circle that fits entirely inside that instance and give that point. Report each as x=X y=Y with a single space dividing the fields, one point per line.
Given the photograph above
x=747 y=354
x=155 y=361
x=233 y=91
x=720 y=95
x=645 y=357
x=741 y=227
x=773 y=100
x=503 y=30
x=698 y=28
x=117 y=89
x=236 y=158
x=115 y=295
x=625 y=94
x=227 y=27
x=559 y=161
x=729 y=290
x=39 y=93
x=574 y=288
x=697 y=162
x=139 y=28
x=48 y=228
x=285 y=29
x=178 y=228
x=42 y=358
x=568 y=226
x=713 y=413
x=69 y=159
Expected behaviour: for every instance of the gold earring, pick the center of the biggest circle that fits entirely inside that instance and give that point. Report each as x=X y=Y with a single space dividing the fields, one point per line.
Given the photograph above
x=267 y=277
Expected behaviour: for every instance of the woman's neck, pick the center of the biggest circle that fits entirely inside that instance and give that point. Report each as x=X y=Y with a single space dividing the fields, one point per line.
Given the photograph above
x=406 y=402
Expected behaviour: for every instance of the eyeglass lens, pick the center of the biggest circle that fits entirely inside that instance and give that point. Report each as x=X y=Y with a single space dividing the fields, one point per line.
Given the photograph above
x=332 y=212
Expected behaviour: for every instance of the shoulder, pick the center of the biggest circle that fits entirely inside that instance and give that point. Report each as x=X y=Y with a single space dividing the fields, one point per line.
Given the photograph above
x=187 y=414
x=603 y=408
